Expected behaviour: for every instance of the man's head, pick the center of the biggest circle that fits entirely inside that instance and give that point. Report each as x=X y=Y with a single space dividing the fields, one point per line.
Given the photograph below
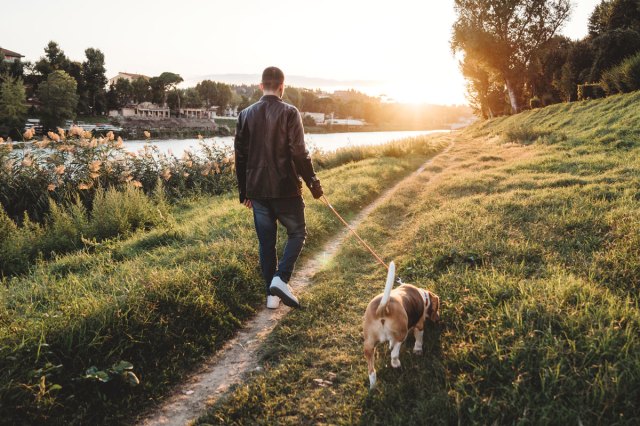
x=272 y=81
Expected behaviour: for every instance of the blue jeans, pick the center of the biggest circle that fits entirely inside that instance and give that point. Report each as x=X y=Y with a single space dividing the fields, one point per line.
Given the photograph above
x=290 y=213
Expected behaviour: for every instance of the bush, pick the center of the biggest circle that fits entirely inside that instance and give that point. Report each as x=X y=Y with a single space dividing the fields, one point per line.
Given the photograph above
x=115 y=212
x=590 y=91
x=63 y=166
x=623 y=78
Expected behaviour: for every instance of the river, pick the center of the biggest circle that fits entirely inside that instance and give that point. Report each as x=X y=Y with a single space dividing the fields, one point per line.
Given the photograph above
x=326 y=142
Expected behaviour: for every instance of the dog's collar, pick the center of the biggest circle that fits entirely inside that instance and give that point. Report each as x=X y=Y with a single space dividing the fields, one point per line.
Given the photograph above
x=425 y=297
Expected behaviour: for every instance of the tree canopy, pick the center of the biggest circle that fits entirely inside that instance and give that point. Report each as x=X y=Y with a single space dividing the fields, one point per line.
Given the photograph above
x=59 y=99
x=503 y=35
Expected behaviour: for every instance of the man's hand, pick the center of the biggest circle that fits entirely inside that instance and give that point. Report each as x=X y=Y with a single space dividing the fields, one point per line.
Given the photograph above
x=316 y=188
x=247 y=203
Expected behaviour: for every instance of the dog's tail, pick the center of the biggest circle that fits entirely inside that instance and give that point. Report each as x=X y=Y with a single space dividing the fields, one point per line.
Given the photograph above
x=387 y=289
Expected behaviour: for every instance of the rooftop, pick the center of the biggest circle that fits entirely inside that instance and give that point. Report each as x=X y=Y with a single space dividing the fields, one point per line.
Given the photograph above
x=7 y=52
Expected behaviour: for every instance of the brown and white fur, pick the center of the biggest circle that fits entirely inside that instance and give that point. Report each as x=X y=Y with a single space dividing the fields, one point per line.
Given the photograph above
x=391 y=315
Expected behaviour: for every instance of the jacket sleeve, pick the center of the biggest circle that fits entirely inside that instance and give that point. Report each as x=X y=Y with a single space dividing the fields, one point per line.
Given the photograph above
x=241 y=152
x=299 y=152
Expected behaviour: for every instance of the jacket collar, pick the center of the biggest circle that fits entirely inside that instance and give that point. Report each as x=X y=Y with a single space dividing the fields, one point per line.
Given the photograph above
x=270 y=98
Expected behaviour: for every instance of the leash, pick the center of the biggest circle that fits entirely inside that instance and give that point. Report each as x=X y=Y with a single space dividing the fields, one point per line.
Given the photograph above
x=326 y=202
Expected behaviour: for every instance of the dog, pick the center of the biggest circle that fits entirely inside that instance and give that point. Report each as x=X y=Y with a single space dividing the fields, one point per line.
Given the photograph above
x=391 y=315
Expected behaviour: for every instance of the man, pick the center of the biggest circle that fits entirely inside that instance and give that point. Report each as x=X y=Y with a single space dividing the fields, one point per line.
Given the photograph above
x=271 y=158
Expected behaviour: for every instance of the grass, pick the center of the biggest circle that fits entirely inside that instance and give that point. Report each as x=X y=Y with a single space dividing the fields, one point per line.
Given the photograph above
x=161 y=300
x=533 y=247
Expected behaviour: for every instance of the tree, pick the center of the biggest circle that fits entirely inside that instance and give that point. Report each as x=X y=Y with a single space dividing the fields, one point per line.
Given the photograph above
x=141 y=90
x=208 y=92
x=502 y=35
x=485 y=93
x=59 y=99
x=120 y=94
x=293 y=96
x=192 y=98
x=162 y=83
x=54 y=59
x=94 y=79
x=545 y=69
x=13 y=108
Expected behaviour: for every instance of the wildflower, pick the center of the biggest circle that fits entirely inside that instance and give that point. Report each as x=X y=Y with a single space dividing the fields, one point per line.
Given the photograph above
x=95 y=166
x=136 y=183
x=1 y=140
x=205 y=172
x=61 y=132
x=28 y=134
x=93 y=143
x=50 y=134
x=84 y=186
x=101 y=140
x=132 y=154
x=189 y=163
x=60 y=169
x=51 y=187
x=110 y=136
x=199 y=136
x=43 y=143
x=119 y=143
x=166 y=174
x=147 y=134
x=87 y=134
x=76 y=131
x=217 y=168
x=27 y=162
x=185 y=174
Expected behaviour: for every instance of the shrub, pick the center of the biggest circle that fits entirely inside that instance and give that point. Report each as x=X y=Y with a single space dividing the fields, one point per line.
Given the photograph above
x=623 y=78
x=64 y=165
x=590 y=91
x=117 y=213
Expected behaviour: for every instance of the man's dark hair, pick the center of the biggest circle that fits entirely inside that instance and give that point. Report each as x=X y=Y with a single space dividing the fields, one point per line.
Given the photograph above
x=272 y=78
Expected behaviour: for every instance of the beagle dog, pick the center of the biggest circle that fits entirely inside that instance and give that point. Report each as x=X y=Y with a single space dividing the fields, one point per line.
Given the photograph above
x=391 y=315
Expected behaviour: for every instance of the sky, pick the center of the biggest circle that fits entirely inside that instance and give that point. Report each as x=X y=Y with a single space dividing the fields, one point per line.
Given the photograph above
x=400 y=48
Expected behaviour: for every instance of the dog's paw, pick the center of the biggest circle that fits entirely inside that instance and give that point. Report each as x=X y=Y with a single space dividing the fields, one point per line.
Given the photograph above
x=417 y=351
x=395 y=362
x=372 y=380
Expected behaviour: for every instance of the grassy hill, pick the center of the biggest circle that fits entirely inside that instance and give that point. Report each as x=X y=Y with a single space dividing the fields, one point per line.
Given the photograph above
x=529 y=230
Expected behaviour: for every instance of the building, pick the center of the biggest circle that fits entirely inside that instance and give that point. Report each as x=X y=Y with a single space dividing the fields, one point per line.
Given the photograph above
x=198 y=112
x=345 y=122
x=127 y=76
x=318 y=117
x=144 y=109
x=10 y=56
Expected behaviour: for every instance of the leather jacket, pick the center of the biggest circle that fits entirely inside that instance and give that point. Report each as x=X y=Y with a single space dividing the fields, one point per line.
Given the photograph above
x=270 y=154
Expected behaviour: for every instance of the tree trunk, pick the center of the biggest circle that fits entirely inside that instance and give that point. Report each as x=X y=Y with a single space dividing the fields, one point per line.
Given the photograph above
x=513 y=96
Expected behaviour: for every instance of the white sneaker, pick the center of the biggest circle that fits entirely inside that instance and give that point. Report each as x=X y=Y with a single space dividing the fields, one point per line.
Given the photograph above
x=273 y=302
x=283 y=291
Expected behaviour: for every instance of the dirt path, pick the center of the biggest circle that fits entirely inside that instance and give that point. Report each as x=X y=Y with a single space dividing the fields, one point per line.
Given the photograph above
x=239 y=355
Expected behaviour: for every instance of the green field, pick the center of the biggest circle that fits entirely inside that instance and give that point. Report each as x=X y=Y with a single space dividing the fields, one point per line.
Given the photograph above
x=162 y=300
x=529 y=230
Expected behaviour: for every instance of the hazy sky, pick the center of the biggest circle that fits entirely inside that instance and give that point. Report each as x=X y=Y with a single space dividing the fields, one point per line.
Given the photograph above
x=403 y=45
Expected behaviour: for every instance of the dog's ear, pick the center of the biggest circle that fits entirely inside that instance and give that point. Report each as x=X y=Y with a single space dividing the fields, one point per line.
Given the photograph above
x=434 y=309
